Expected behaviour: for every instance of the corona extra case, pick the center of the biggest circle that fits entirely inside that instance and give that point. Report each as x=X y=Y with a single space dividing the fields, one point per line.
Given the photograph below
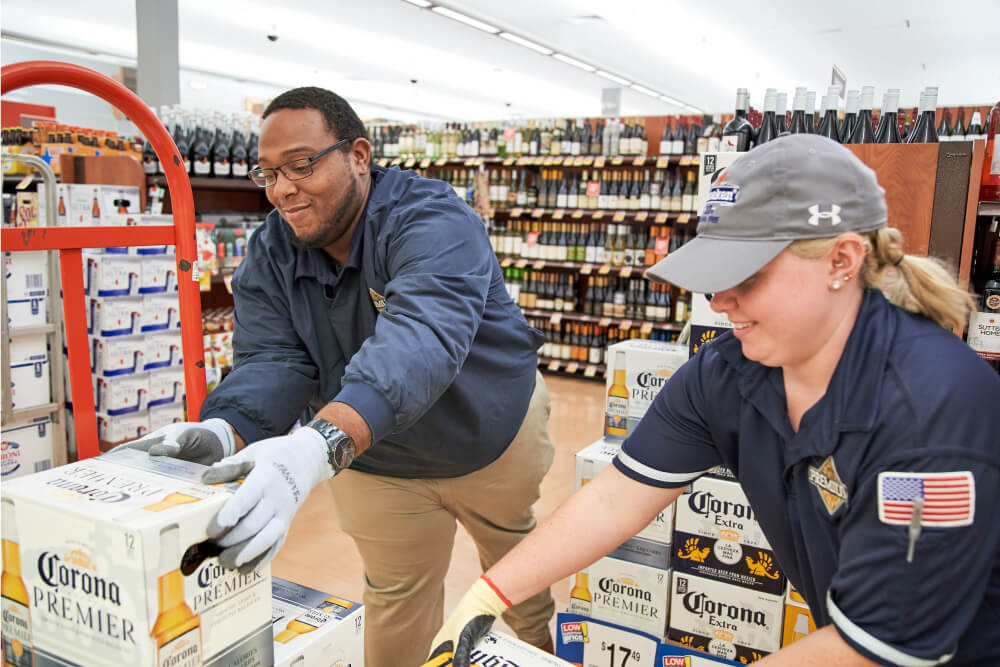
x=98 y=545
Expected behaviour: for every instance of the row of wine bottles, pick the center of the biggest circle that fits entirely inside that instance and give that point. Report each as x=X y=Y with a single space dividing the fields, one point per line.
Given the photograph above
x=606 y=189
x=586 y=343
x=211 y=144
x=858 y=125
x=592 y=243
x=633 y=299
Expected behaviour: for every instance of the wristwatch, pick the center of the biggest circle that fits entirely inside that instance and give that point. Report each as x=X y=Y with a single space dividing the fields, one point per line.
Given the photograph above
x=340 y=448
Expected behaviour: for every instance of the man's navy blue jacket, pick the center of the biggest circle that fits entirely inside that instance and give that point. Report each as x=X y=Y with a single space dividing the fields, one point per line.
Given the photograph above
x=416 y=332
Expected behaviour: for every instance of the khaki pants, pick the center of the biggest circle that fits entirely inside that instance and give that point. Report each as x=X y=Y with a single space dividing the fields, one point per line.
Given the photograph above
x=405 y=528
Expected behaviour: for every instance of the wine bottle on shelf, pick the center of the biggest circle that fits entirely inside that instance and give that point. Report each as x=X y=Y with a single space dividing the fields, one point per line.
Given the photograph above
x=665 y=139
x=238 y=154
x=889 y=123
x=944 y=127
x=850 y=116
x=768 y=125
x=221 y=164
x=828 y=124
x=677 y=139
x=864 y=128
x=737 y=136
x=810 y=116
x=923 y=132
x=958 y=131
x=975 y=130
x=798 y=123
x=781 y=112
x=880 y=125
x=989 y=189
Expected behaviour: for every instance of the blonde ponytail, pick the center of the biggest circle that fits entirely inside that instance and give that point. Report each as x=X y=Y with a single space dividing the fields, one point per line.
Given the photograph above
x=921 y=285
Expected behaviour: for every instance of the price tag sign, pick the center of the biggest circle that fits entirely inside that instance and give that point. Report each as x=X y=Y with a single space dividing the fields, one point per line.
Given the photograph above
x=619 y=216
x=577 y=214
x=598 y=215
x=516 y=212
x=586 y=269
x=662 y=161
x=571 y=367
x=409 y=163
x=617 y=161
x=605 y=322
x=505 y=263
x=553 y=366
x=638 y=162
x=522 y=161
x=641 y=216
x=682 y=218
x=590 y=371
x=509 y=161
x=557 y=161
x=625 y=325
x=520 y=264
x=604 y=270
x=538 y=212
x=538 y=266
x=555 y=319
x=660 y=218
x=612 y=647
x=687 y=161
x=440 y=162
x=626 y=271
x=598 y=162
x=425 y=163
x=396 y=161
x=646 y=328
x=558 y=214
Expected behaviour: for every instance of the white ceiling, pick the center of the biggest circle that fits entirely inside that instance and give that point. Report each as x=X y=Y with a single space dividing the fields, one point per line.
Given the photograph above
x=370 y=50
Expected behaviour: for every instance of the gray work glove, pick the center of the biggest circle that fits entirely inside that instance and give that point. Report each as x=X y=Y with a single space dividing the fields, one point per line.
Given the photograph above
x=200 y=442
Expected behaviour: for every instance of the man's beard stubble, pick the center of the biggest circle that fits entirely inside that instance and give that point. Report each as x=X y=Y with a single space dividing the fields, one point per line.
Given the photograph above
x=333 y=228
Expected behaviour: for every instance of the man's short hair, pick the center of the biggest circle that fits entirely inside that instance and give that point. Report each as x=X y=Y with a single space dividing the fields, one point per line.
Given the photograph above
x=339 y=116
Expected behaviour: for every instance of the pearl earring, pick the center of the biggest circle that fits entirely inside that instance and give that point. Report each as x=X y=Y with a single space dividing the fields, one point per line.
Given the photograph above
x=835 y=284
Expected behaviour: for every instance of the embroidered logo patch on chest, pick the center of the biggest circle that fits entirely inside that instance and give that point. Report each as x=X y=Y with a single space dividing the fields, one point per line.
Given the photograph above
x=832 y=491
x=377 y=299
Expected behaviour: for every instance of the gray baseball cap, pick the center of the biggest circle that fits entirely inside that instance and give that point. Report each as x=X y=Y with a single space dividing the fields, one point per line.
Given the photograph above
x=799 y=186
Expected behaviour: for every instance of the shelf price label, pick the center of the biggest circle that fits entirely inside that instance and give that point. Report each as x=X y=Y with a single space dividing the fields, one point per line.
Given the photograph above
x=425 y=163
x=685 y=161
x=660 y=218
x=558 y=214
x=586 y=269
x=539 y=265
x=598 y=162
x=586 y=161
x=605 y=322
x=555 y=319
x=604 y=270
x=683 y=217
x=505 y=263
x=617 y=161
x=662 y=161
x=638 y=162
x=440 y=162
x=571 y=367
x=619 y=216
x=641 y=216
x=626 y=271
x=553 y=366
x=625 y=325
x=509 y=161
x=516 y=212
x=646 y=328
x=612 y=647
x=590 y=371
x=395 y=161
x=538 y=212
x=520 y=264
x=597 y=215
x=409 y=163
x=577 y=214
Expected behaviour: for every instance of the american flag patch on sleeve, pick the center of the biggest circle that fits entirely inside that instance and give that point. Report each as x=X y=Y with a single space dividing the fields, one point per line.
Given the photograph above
x=949 y=498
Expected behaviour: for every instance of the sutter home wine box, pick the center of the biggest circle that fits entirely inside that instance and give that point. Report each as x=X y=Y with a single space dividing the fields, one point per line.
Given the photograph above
x=727 y=621
x=497 y=649
x=716 y=535
x=315 y=629
x=93 y=555
x=648 y=365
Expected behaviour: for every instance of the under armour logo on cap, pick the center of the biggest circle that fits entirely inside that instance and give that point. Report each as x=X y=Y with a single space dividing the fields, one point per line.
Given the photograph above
x=833 y=215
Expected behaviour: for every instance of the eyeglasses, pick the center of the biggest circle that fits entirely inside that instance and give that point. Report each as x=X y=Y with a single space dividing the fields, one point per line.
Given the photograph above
x=293 y=170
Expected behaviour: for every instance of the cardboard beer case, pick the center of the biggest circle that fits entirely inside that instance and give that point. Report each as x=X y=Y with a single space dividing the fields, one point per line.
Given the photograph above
x=315 y=629
x=103 y=566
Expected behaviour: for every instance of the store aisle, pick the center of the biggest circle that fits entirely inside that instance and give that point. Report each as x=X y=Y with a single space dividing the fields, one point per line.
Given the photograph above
x=318 y=554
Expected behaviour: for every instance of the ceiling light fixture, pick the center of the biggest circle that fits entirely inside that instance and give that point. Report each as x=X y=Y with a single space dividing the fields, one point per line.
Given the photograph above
x=423 y=4
x=611 y=77
x=467 y=20
x=538 y=48
x=645 y=91
x=575 y=63
x=670 y=100
x=691 y=108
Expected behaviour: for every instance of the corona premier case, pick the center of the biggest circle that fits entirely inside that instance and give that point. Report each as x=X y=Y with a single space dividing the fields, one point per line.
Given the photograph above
x=499 y=650
x=640 y=369
x=92 y=570
x=312 y=628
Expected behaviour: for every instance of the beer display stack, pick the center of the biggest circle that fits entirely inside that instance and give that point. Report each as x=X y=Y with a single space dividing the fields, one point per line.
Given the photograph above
x=701 y=579
x=132 y=316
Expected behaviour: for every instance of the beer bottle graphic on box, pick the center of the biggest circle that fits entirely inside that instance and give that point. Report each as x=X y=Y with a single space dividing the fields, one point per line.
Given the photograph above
x=616 y=407
x=17 y=645
x=177 y=630
x=314 y=618
x=580 y=599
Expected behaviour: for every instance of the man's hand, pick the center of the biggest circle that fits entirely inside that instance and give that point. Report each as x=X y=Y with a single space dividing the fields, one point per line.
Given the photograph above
x=201 y=442
x=469 y=623
x=280 y=472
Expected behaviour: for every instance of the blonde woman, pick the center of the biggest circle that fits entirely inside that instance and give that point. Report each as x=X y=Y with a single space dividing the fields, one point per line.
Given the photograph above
x=841 y=363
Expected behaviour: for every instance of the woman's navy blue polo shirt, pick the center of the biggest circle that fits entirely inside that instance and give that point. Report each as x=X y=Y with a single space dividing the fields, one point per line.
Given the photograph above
x=911 y=412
